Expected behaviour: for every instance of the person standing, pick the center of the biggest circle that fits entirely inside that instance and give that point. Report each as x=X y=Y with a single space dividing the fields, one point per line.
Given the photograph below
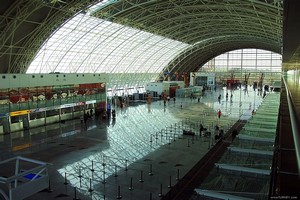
x=219 y=98
x=201 y=129
x=81 y=118
x=234 y=134
x=219 y=113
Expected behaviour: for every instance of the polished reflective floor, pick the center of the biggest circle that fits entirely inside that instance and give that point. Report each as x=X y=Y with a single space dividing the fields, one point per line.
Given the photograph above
x=244 y=169
x=136 y=156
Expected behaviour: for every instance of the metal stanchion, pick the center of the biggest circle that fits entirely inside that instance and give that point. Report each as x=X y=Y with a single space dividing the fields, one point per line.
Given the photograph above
x=150 y=173
x=160 y=194
x=104 y=179
x=175 y=129
x=92 y=166
x=66 y=182
x=188 y=143
x=103 y=160
x=174 y=135
x=170 y=182
x=75 y=194
x=177 y=178
x=79 y=176
x=141 y=179
x=49 y=186
x=126 y=167
x=166 y=132
x=209 y=141
x=130 y=187
x=91 y=189
x=116 y=171
x=119 y=193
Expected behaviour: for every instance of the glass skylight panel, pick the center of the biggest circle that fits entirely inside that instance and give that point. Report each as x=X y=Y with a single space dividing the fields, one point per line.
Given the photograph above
x=92 y=45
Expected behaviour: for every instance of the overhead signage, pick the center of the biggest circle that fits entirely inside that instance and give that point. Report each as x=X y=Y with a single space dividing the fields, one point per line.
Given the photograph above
x=38 y=110
x=90 y=102
x=61 y=106
x=80 y=104
x=68 y=105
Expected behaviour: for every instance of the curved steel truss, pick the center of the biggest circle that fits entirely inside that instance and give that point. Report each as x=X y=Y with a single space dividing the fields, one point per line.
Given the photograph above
x=208 y=27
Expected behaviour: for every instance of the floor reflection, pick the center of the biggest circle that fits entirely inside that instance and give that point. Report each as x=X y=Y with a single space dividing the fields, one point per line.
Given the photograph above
x=111 y=145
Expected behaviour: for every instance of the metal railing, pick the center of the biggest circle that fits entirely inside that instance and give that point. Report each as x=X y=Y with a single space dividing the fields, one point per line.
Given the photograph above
x=294 y=123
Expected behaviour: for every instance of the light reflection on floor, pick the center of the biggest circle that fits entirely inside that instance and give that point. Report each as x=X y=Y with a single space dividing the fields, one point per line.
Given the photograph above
x=125 y=141
x=129 y=140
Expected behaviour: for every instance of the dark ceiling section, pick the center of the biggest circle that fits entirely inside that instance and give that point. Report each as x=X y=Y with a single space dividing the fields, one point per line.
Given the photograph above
x=5 y=5
x=185 y=20
x=17 y=31
x=25 y=25
x=291 y=32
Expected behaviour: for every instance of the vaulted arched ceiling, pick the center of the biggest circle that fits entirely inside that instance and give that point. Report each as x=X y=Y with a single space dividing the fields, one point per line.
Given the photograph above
x=209 y=27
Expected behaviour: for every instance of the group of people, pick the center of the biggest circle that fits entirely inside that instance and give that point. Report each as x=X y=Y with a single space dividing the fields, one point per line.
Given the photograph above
x=226 y=96
x=219 y=133
x=90 y=114
x=87 y=115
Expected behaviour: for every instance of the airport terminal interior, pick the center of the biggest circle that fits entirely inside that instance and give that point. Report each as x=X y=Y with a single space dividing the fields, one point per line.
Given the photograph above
x=149 y=99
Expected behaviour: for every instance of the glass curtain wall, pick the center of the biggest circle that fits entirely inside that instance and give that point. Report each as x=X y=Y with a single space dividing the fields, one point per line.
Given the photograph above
x=242 y=63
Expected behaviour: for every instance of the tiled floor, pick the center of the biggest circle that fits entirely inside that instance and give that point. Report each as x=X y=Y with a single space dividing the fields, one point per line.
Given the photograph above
x=142 y=140
x=244 y=169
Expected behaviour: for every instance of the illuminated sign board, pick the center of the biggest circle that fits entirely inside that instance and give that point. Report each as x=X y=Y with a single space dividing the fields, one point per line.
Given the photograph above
x=90 y=102
x=20 y=112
